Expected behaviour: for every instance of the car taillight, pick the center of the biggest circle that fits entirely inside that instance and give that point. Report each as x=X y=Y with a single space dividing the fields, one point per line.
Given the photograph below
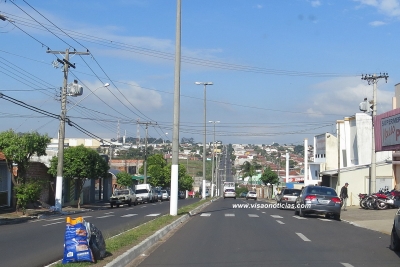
x=310 y=198
x=335 y=199
x=285 y=198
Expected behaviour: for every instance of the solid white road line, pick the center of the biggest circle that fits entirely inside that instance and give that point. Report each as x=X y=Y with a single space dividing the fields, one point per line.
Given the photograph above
x=153 y=214
x=51 y=223
x=253 y=215
x=303 y=237
x=346 y=264
x=205 y=215
x=280 y=222
x=128 y=215
x=106 y=216
x=276 y=216
x=229 y=215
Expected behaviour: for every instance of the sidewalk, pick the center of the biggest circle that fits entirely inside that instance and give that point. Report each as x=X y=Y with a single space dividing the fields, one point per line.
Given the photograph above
x=377 y=220
x=9 y=216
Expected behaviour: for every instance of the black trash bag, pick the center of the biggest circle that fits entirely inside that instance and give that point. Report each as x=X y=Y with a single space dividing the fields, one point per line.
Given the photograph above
x=96 y=242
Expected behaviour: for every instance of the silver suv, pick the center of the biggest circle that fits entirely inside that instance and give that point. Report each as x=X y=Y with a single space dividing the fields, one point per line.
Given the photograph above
x=123 y=196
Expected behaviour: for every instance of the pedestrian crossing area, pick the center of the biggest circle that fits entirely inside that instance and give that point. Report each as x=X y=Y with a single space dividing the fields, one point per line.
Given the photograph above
x=278 y=218
x=57 y=220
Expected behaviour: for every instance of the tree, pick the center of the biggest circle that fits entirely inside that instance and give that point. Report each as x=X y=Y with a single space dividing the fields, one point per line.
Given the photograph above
x=269 y=176
x=80 y=164
x=248 y=170
x=124 y=179
x=18 y=148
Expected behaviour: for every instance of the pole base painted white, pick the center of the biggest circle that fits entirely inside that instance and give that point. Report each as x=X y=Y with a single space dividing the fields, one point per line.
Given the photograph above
x=58 y=197
x=173 y=198
x=203 y=193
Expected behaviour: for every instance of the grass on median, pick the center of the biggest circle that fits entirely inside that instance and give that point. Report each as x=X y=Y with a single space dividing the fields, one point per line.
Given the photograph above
x=130 y=238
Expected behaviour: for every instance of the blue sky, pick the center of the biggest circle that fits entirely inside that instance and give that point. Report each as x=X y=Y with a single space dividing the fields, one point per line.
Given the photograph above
x=282 y=70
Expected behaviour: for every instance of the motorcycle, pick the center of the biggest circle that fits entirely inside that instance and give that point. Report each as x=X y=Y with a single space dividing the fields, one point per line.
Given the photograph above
x=383 y=200
x=363 y=198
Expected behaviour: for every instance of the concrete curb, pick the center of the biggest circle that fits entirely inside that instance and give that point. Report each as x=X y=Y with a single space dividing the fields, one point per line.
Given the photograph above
x=136 y=251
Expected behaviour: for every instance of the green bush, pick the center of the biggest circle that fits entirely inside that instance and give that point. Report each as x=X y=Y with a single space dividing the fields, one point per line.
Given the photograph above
x=27 y=193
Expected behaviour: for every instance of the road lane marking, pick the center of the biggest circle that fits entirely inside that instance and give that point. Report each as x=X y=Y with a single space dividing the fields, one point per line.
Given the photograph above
x=229 y=215
x=303 y=237
x=51 y=223
x=153 y=214
x=276 y=216
x=300 y=218
x=129 y=208
x=106 y=216
x=253 y=215
x=325 y=220
x=129 y=215
x=205 y=214
x=143 y=207
x=84 y=217
x=263 y=212
x=280 y=222
x=346 y=264
x=56 y=219
x=108 y=212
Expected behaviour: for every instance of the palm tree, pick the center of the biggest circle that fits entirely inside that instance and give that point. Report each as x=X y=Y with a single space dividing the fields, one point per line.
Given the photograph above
x=248 y=169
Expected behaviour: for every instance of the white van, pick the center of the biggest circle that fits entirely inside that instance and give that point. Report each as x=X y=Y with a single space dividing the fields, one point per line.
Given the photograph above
x=143 y=193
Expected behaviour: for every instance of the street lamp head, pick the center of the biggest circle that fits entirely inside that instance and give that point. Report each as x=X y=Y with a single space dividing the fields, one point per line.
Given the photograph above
x=106 y=84
x=204 y=83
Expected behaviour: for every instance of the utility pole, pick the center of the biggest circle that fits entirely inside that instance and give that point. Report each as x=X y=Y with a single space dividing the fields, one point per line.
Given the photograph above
x=145 y=149
x=374 y=80
x=61 y=131
x=212 y=163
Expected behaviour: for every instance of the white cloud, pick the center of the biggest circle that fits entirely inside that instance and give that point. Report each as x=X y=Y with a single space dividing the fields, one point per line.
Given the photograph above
x=315 y=3
x=343 y=95
x=142 y=99
x=259 y=6
x=377 y=23
x=389 y=8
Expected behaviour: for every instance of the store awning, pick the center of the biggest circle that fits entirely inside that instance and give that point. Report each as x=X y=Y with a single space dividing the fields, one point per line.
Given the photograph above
x=139 y=177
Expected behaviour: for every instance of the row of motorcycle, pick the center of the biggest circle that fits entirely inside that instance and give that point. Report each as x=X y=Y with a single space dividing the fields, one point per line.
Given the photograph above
x=381 y=200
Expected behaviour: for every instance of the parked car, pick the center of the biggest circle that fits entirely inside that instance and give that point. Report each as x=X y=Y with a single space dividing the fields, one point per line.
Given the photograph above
x=159 y=195
x=123 y=196
x=181 y=194
x=143 y=193
x=394 y=237
x=251 y=195
x=230 y=193
x=243 y=194
x=154 y=195
x=318 y=200
x=287 y=197
x=164 y=195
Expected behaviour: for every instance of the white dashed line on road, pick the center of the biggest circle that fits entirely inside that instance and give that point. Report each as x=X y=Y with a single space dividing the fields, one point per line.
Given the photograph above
x=153 y=214
x=276 y=216
x=108 y=212
x=253 y=215
x=346 y=264
x=128 y=215
x=229 y=215
x=280 y=222
x=51 y=223
x=205 y=215
x=325 y=220
x=106 y=216
x=300 y=218
x=303 y=237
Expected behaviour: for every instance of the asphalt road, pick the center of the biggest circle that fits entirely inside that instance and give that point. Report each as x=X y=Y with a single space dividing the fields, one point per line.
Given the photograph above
x=224 y=236
x=40 y=242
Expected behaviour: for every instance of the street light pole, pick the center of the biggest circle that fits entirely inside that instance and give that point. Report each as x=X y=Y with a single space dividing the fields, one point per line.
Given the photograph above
x=205 y=136
x=213 y=156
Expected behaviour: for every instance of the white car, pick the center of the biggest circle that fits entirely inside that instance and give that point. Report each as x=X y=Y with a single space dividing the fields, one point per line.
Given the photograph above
x=252 y=195
x=230 y=193
x=165 y=195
